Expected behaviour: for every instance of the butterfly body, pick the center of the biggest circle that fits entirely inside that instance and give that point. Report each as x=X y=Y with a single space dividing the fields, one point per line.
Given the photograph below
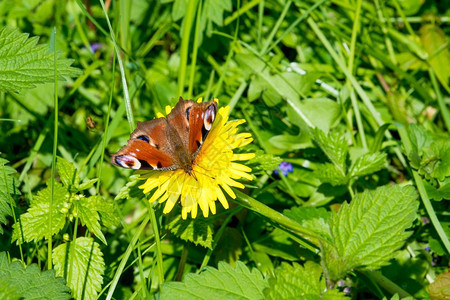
x=169 y=143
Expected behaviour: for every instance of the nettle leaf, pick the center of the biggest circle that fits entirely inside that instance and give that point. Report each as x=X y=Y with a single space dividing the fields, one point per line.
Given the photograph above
x=264 y=162
x=438 y=193
x=334 y=146
x=8 y=187
x=24 y=64
x=435 y=162
x=35 y=223
x=312 y=218
x=225 y=282
x=67 y=173
x=86 y=210
x=440 y=288
x=85 y=266
x=330 y=173
x=367 y=232
x=198 y=231
x=368 y=163
x=299 y=282
x=29 y=282
x=108 y=212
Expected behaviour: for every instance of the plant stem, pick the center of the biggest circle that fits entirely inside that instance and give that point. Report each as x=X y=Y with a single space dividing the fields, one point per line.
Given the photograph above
x=185 y=38
x=158 y=244
x=255 y=205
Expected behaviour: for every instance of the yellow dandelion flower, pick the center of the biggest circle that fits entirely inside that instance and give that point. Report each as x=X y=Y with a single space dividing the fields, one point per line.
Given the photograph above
x=215 y=169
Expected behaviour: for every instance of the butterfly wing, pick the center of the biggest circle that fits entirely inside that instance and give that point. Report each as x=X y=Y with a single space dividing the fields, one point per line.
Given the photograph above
x=192 y=121
x=148 y=148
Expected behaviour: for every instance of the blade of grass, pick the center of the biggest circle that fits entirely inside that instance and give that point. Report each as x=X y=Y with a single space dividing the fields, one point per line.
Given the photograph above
x=195 y=51
x=440 y=99
x=355 y=105
x=354 y=82
x=128 y=109
x=187 y=26
x=55 y=147
x=158 y=244
x=276 y=27
x=124 y=260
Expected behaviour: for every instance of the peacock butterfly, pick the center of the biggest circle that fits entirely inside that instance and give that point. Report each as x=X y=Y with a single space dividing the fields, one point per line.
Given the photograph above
x=169 y=143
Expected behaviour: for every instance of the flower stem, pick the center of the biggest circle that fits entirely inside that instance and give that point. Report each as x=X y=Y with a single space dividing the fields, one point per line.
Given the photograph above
x=255 y=205
x=158 y=244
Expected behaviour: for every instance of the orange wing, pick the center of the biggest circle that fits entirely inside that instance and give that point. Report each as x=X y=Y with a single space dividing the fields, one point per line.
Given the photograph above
x=148 y=148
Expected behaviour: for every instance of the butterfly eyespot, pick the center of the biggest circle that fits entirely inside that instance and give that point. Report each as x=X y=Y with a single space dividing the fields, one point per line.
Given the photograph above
x=209 y=117
x=144 y=138
x=128 y=162
x=188 y=111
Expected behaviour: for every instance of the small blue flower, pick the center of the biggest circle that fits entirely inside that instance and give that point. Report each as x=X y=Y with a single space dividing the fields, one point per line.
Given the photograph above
x=95 y=47
x=427 y=248
x=285 y=167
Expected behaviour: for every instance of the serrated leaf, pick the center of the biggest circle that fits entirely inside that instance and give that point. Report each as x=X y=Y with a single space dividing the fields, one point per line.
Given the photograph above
x=26 y=64
x=312 y=218
x=35 y=223
x=8 y=187
x=67 y=172
x=198 y=231
x=264 y=162
x=108 y=212
x=368 y=163
x=435 y=161
x=334 y=146
x=85 y=266
x=87 y=184
x=330 y=173
x=367 y=232
x=86 y=210
x=299 y=282
x=225 y=282
x=17 y=282
x=440 y=288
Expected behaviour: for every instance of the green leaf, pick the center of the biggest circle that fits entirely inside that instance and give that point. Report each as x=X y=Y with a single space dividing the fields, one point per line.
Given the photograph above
x=334 y=146
x=131 y=189
x=367 y=232
x=85 y=266
x=225 y=282
x=299 y=282
x=67 y=173
x=368 y=163
x=198 y=231
x=329 y=173
x=87 y=184
x=108 y=212
x=35 y=223
x=264 y=162
x=17 y=282
x=435 y=162
x=440 y=288
x=323 y=113
x=312 y=218
x=26 y=64
x=8 y=187
x=438 y=193
x=433 y=39
x=86 y=210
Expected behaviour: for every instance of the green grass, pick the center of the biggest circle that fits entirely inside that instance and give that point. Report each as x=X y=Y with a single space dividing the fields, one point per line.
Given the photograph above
x=354 y=94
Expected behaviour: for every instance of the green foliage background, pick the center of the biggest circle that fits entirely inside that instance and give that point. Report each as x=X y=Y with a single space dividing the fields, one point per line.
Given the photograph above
x=353 y=94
